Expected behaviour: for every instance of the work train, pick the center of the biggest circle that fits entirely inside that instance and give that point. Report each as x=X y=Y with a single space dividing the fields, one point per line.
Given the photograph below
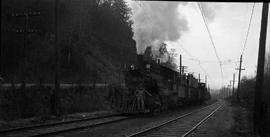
x=151 y=87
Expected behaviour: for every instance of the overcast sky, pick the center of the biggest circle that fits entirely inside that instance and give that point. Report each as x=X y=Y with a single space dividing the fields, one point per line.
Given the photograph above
x=228 y=24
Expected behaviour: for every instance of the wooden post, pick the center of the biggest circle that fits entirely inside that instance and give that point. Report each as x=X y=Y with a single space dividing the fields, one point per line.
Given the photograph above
x=233 y=85
x=27 y=30
x=199 y=77
x=230 y=93
x=2 y=45
x=260 y=72
x=239 y=79
x=55 y=102
x=180 y=68
x=205 y=80
x=25 y=39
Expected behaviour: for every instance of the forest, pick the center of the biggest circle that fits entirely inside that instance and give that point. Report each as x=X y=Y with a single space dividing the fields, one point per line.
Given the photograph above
x=247 y=93
x=95 y=45
x=88 y=47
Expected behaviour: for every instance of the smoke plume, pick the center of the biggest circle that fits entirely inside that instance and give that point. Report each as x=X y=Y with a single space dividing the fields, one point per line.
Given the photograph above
x=155 y=23
x=208 y=10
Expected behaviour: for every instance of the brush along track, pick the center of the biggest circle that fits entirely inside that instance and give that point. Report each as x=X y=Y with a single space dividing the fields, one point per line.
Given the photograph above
x=60 y=127
x=180 y=126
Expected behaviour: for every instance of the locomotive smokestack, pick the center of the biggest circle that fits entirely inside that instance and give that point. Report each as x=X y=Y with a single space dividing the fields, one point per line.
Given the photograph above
x=140 y=60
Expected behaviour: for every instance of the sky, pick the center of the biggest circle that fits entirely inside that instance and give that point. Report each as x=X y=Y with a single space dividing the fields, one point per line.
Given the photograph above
x=228 y=25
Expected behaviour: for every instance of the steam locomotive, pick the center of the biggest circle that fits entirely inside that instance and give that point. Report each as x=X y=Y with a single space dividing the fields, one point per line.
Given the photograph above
x=151 y=87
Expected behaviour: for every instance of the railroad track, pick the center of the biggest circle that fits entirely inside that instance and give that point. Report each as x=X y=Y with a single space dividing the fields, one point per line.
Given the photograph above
x=60 y=127
x=182 y=126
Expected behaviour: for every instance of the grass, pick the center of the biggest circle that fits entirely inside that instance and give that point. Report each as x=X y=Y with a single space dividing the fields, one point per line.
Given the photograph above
x=242 y=122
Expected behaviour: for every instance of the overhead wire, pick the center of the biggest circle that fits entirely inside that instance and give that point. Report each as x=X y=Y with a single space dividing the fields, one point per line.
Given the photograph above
x=190 y=55
x=223 y=62
x=197 y=61
x=247 y=34
x=212 y=41
x=249 y=24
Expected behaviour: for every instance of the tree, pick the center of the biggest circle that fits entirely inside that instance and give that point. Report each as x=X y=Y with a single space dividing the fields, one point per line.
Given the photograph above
x=163 y=49
x=172 y=56
x=168 y=57
x=87 y=30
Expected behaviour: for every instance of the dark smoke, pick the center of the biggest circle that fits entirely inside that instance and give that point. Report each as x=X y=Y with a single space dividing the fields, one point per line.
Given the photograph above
x=155 y=23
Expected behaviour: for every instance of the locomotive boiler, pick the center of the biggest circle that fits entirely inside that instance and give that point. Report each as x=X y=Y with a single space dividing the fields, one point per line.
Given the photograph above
x=152 y=87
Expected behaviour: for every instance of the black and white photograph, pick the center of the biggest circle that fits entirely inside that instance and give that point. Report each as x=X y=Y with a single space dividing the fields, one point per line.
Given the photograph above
x=134 y=68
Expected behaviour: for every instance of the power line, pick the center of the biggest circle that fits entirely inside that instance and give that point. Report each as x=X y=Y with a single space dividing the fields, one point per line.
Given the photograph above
x=196 y=60
x=203 y=68
x=211 y=38
x=223 y=62
x=251 y=15
x=190 y=55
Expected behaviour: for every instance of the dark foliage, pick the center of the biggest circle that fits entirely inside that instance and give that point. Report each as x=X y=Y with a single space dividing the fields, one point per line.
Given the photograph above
x=248 y=87
x=35 y=101
x=94 y=38
x=247 y=93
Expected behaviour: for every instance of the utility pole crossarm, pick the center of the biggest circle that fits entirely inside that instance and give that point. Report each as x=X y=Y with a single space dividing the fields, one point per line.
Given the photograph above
x=239 y=78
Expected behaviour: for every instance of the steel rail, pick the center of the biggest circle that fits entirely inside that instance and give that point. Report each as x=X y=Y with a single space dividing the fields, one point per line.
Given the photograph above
x=203 y=120
x=54 y=124
x=167 y=122
x=79 y=128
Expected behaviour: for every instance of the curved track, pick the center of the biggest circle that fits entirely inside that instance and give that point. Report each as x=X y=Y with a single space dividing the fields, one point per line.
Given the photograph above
x=180 y=126
x=60 y=127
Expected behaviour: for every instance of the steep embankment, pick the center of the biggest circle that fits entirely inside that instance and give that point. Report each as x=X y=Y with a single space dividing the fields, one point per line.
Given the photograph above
x=95 y=40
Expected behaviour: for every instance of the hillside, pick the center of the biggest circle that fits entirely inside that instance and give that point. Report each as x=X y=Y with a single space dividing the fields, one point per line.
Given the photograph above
x=95 y=40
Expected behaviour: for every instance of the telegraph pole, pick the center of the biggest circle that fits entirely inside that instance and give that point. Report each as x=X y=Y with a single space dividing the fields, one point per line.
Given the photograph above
x=199 y=77
x=54 y=102
x=24 y=47
x=225 y=92
x=180 y=68
x=183 y=69
x=27 y=30
x=258 y=117
x=2 y=43
x=230 y=93
x=233 y=85
x=239 y=79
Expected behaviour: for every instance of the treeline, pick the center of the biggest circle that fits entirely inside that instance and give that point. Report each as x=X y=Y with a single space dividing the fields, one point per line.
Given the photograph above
x=247 y=93
x=95 y=40
x=247 y=88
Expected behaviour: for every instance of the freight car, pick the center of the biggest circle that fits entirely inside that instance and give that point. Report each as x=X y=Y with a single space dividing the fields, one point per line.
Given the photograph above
x=153 y=87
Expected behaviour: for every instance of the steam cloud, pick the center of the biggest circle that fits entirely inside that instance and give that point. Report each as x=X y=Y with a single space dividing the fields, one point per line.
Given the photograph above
x=208 y=10
x=156 y=22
